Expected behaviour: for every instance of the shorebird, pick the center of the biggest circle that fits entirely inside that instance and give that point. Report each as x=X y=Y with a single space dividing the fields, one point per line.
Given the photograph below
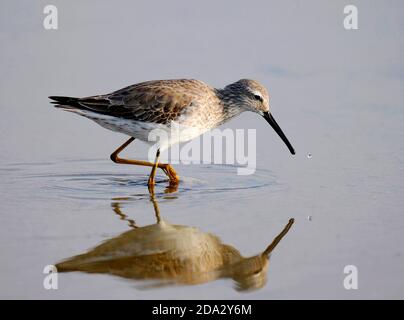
x=191 y=105
x=173 y=254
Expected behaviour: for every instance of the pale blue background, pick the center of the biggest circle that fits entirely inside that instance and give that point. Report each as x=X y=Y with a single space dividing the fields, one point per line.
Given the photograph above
x=337 y=94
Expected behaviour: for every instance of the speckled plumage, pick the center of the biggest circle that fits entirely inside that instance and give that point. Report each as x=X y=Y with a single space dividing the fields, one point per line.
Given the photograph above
x=166 y=112
x=193 y=106
x=191 y=102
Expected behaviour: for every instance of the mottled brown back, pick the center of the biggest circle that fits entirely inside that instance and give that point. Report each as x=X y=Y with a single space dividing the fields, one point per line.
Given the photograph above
x=157 y=101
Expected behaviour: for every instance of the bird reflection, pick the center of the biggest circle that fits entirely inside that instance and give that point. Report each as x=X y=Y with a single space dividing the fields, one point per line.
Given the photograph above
x=170 y=254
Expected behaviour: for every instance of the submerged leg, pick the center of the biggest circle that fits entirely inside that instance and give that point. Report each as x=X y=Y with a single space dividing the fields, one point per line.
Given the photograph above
x=151 y=181
x=168 y=169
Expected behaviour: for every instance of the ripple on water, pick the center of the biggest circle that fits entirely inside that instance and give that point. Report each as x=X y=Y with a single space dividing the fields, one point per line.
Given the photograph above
x=102 y=180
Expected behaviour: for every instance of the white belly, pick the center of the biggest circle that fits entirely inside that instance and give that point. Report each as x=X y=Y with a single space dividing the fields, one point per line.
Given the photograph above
x=151 y=133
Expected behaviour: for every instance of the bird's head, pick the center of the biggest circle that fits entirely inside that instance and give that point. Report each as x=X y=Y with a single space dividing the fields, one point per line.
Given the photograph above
x=250 y=95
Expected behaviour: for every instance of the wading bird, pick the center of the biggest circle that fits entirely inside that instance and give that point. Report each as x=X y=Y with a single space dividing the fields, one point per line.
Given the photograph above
x=191 y=105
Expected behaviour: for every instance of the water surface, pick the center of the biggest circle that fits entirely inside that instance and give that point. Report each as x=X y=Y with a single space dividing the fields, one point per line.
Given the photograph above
x=337 y=94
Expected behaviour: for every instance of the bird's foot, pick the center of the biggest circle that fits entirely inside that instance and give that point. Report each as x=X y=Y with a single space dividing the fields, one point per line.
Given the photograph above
x=173 y=178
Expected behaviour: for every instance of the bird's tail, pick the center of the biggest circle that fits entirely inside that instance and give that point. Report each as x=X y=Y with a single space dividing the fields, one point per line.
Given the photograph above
x=65 y=102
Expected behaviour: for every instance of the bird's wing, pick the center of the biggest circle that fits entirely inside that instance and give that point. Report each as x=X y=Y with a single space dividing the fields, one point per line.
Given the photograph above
x=154 y=101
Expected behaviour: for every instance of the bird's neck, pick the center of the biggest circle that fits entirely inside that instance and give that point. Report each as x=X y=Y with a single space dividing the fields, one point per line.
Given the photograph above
x=230 y=103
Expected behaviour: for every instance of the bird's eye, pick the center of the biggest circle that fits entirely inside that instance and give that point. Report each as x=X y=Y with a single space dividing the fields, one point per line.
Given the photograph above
x=257 y=97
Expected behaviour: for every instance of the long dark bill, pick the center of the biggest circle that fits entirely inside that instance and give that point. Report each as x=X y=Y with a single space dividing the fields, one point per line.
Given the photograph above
x=270 y=119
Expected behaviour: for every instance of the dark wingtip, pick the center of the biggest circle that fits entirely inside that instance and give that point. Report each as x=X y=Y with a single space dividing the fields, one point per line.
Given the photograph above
x=61 y=101
x=60 y=98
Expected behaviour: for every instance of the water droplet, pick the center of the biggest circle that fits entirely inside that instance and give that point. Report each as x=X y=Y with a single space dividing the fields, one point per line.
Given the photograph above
x=309 y=218
x=309 y=155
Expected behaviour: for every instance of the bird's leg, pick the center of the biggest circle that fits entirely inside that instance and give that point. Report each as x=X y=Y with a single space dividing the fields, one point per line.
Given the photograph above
x=171 y=174
x=168 y=169
x=114 y=156
x=151 y=182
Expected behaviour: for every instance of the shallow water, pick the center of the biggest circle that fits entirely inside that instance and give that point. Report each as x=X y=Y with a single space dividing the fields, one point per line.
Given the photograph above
x=337 y=94
x=93 y=201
